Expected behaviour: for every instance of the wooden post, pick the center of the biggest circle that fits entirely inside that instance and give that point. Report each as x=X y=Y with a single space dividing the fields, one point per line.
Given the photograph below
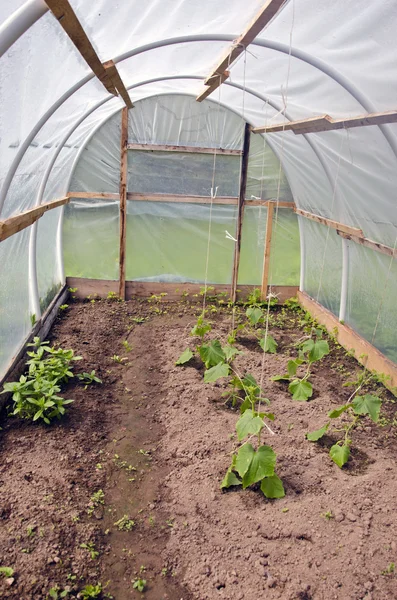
x=268 y=243
x=240 y=214
x=123 y=199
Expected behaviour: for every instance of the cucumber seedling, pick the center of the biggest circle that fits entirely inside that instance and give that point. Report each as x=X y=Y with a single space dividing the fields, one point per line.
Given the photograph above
x=360 y=406
x=310 y=352
x=252 y=465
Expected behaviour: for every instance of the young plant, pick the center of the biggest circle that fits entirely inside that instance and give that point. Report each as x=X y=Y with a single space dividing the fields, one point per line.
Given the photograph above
x=90 y=592
x=201 y=327
x=311 y=351
x=88 y=378
x=252 y=465
x=91 y=549
x=360 y=406
x=6 y=571
x=56 y=593
x=125 y=523
x=117 y=359
x=139 y=584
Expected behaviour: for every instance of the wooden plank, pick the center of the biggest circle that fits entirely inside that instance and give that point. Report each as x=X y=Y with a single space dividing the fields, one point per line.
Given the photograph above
x=41 y=329
x=269 y=9
x=364 y=352
x=327 y=123
x=107 y=73
x=180 y=198
x=330 y=223
x=14 y=224
x=280 y=203
x=175 y=291
x=370 y=244
x=214 y=85
x=240 y=213
x=114 y=75
x=268 y=245
x=107 y=195
x=193 y=149
x=123 y=199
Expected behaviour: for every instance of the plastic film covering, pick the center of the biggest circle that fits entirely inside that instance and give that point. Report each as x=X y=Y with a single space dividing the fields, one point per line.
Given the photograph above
x=285 y=250
x=91 y=239
x=322 y=263
x=371 y=306
x=266 y=178
x=15 y=318
x=168 y=242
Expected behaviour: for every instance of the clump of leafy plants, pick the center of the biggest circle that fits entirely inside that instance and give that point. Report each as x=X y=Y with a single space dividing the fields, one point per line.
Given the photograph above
x=88 y=378
x=310 y=351
x=360 y=406
x=251 y=465
x=125 y=523
x=35 y=395
x=90 y=592
x=139 y=584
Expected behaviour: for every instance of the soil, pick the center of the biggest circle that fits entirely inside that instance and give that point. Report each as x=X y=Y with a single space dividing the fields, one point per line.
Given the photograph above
x=157 y=441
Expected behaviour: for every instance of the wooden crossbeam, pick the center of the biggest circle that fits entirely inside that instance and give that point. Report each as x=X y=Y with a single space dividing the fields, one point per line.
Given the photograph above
x=14 y=224
x=192 y=149
x=387 y=250
x=330 y=223
x=218 y=73
x=327 y=123
x=107 y=72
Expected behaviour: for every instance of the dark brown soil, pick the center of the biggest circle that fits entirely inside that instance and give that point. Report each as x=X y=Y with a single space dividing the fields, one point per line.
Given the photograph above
x=157 y=441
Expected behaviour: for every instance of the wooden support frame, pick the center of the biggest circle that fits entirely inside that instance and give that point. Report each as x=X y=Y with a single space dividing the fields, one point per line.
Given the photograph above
x=240 y=213
x=123 y=200
x=340 y=227
x=174 y=291
x=107 y=72
x=13 y=225
x=327 y=123
x=219 y=73
x=192 y=149
x=268 y=244
x=387 y=250
x=364 y=352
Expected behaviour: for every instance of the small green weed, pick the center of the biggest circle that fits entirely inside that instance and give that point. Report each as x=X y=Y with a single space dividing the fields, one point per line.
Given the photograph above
x=124 y=524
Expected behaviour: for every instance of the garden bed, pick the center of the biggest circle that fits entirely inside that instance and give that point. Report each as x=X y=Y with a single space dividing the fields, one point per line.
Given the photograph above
x=157 y=441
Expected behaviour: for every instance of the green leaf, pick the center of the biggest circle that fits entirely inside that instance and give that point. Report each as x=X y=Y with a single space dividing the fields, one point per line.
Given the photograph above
x=230 y=479
x=300 y=389
x=262 y=465
x=314 y=436
x=268 y=344
x=269 y=416
x=7 y=571
x=254 y=315
x=230 y=352
x=292 y=366
x=334 y=414
x=201 y=328
x=244 y=458
x=339 y=454
x=246 y=404
x=185 y=357
x=367 y=405
x=272 y=487
x=212 y=353
x=248 y=424
x=307 y=345
x=319 y=350
x=280 y=377
x=215 y=373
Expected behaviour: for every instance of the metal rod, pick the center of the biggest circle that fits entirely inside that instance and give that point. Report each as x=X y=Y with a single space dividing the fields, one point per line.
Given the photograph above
x=19 y=22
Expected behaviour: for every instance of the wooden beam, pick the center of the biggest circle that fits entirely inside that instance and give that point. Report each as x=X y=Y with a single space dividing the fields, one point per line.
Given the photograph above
x=214 y=85
x=114 y=76
x=107 y=73
x=123 y=199
x=107 y=195
x=175 y=291
x=280 y=203
x=330 y=223
x=269 y=9
x=327 y=123
x=181 y=198
x=268 y=245
x=370 y=244
x=14 y=224
x=364 y=352
x=240 y=211
x=193 y=149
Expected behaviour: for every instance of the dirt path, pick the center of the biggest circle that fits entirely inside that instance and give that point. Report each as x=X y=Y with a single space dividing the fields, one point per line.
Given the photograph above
x=157 y=441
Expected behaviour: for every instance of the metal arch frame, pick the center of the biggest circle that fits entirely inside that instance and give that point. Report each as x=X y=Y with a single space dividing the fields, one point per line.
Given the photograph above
x=19 y=22
x=271 y=45
x=33 y=279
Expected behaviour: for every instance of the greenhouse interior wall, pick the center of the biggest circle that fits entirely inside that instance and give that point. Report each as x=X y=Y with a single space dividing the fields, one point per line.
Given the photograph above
x=60 y=134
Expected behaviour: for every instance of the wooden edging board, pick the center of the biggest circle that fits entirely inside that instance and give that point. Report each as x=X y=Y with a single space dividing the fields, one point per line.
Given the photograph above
x=41 y=330
x=363 y=351
x=175 y=291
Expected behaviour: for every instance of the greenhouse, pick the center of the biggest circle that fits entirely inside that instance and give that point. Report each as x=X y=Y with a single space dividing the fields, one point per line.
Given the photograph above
x=198 y=243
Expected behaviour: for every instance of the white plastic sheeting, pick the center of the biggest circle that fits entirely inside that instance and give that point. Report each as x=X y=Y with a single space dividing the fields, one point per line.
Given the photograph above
x=314 y=57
